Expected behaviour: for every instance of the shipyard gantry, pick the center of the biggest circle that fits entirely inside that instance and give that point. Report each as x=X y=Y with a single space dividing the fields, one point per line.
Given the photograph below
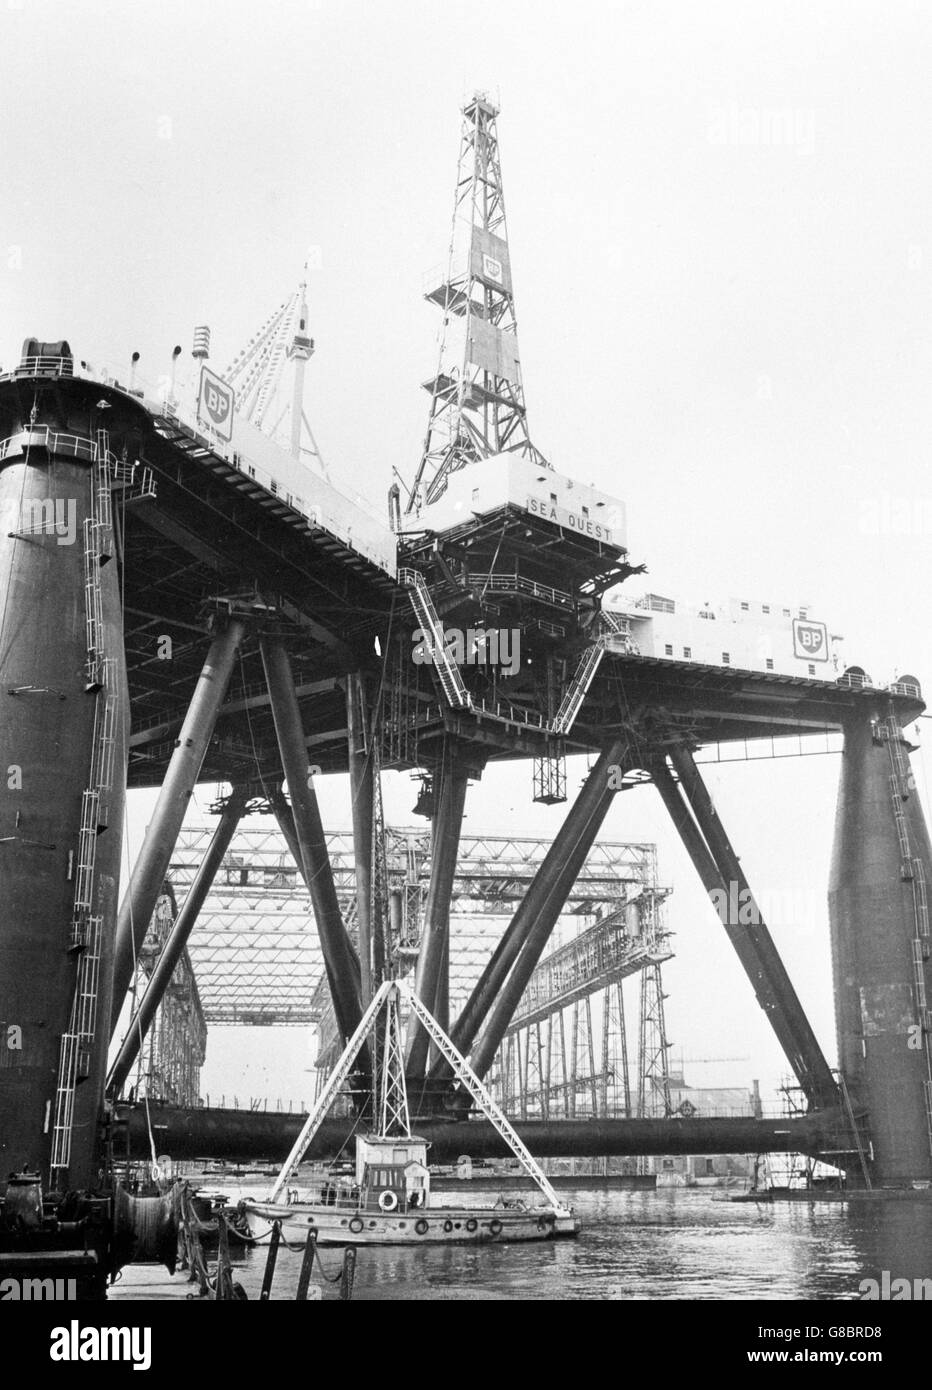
x=187 y=598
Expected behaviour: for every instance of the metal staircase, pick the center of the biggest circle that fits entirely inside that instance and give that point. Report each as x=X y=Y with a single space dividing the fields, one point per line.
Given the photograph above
x=617 y=633
x=447 y=670
x=578 y=688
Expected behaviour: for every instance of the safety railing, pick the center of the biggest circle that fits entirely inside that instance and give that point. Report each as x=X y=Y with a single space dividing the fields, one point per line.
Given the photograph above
x=41 y=437
x=520 y=584
x=175 y=417
x=44 y=366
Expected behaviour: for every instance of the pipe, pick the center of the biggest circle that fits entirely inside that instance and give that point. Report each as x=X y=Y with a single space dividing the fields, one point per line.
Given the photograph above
x=181 y=930
x=361 y=771
x=506 y=952
x=689 y=832
x=282 y=813
x=755 y=946
x=433 y=956
x=582 y=825
x=340 y=959
x=180 y=780
x=237 y=1135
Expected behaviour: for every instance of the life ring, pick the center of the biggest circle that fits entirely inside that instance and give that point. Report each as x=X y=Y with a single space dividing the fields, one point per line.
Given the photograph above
x=448 y=1226
x=472 y=1224
x=421 y=1227
x=495 y=1226
x=356 y=1225
x=387 y=1201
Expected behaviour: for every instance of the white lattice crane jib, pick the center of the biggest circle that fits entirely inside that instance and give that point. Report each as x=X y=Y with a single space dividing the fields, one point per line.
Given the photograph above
x=268 y=377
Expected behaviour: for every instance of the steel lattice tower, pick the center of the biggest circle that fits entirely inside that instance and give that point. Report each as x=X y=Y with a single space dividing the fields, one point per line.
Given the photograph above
x=477 y=398
x=653 y=1068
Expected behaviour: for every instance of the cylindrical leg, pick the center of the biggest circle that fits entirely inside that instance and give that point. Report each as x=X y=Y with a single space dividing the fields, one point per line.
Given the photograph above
x=164 y=967
x=282 y=813
x=433 y=958
x=881 y=978
x=361 y=770
x=575 y=840
x=548 y=878
x=749 y=934
x=180 y=780
x=340 y=960
x=48 y=831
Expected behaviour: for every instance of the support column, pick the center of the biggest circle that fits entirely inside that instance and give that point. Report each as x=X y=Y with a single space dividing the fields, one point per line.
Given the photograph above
x=178 y=937
x=546 y=896
x=547 y=884
x=543 y=1069
x=879 y=917
x=361 y=792
x=340 y=960
x=432 y=979
x=752 y=941
x=623 y=1036
x=282 y=813
x=181 y=778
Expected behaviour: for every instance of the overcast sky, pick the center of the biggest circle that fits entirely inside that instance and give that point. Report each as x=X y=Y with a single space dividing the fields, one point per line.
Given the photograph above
x=720 y=223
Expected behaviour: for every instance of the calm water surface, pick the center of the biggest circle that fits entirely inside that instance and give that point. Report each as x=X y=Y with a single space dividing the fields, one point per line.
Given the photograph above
x=673 y=1244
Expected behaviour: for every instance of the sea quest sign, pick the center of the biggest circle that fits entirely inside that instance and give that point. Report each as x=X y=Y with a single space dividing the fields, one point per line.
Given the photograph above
x=571 y=521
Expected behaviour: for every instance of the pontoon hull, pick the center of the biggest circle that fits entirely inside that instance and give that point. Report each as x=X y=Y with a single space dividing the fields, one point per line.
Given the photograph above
x=444 y=1225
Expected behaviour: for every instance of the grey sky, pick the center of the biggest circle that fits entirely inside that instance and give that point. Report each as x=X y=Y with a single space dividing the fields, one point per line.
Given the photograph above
x=721 y=232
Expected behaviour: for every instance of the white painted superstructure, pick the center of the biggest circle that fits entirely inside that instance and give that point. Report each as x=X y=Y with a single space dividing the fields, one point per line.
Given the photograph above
x=510 y=480
x=747 y=634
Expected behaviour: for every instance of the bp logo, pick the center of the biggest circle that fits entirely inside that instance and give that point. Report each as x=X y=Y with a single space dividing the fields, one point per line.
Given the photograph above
x=492 y=268
x=215 y=404
x=810 y=640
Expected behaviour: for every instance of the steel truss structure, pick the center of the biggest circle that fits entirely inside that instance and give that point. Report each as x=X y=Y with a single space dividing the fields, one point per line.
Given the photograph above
x=173 y=1050
x=477 y=397
x=566 y=1052
x=255 y=947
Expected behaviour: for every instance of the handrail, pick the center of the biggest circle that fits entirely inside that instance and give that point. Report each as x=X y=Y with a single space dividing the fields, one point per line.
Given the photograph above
x=499 y=583
x=44 y=366
x=168 y=412
x=45 y=438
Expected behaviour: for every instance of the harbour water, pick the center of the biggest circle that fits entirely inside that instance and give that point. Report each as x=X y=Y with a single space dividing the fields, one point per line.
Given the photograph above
x=671 y=1244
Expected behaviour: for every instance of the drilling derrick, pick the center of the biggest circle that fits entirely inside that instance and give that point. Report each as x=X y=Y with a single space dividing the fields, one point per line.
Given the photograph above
x=477 y=398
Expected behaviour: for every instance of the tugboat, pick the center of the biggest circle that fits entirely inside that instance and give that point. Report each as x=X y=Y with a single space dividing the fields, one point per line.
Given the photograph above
x=389 y=1202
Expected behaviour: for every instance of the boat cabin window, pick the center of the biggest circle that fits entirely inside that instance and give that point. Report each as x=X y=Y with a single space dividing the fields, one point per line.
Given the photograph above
x=383 y=1175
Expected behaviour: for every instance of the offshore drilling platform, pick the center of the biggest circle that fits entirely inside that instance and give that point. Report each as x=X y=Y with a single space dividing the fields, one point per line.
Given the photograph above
x=186 y=598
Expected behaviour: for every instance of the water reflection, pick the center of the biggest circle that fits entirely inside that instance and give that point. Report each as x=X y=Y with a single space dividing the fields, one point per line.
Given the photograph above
x=676 y=1244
